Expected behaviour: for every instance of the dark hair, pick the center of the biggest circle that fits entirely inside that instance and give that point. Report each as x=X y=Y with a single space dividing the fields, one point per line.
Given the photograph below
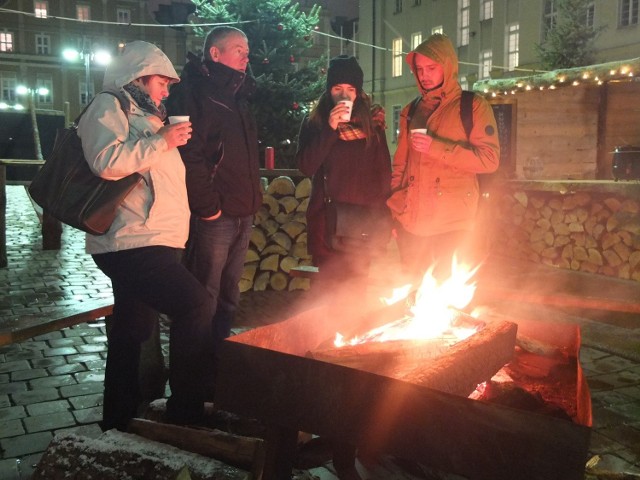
x=147 y=78
x=217 y=36
x=319 y=115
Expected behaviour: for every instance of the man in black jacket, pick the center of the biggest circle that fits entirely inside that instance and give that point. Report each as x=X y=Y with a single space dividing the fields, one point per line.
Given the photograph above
x=223 y=172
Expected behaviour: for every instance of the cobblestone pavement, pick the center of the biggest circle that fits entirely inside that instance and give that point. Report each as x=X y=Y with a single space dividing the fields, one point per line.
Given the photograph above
x=53 y=383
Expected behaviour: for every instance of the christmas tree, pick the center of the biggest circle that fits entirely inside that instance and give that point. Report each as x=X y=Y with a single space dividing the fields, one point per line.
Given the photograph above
x=570 y=35
x=279 y=33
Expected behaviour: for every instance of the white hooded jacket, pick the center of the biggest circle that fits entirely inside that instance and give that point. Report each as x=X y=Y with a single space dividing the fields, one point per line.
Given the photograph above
x=115 y=145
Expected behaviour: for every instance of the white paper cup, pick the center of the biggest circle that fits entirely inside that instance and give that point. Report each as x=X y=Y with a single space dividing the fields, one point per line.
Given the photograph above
x=419 y=130
x=345 y=117
x=178 y=118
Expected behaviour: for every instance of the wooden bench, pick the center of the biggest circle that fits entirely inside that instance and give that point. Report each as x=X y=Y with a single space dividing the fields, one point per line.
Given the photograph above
x=13 y=330
x=153 y=374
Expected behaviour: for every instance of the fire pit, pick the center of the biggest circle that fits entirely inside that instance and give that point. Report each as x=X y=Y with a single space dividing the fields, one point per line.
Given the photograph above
x=422 y=413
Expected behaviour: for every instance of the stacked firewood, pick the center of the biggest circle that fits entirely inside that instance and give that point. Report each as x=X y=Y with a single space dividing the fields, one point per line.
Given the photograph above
x=279 y=239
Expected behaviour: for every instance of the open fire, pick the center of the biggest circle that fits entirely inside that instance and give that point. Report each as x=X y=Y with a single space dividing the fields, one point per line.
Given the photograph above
x=433 y=311
x=401 y=383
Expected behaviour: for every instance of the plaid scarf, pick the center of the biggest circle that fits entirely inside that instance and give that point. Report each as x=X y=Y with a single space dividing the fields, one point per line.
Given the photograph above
x=350 y=131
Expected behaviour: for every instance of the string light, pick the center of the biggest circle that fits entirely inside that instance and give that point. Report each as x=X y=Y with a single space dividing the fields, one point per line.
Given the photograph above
x=598 y=74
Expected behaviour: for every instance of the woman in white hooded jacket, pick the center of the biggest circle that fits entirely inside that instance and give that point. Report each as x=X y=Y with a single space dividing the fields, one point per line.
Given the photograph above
x=141 y=251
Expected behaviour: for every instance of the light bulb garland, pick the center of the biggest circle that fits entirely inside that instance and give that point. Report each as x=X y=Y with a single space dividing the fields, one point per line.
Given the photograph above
x=589 y=75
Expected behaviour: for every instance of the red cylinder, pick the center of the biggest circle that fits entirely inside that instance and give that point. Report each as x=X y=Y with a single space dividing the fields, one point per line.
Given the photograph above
x=269 y=158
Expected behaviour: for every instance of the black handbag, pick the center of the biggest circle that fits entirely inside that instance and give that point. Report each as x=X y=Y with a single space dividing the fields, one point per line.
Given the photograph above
x=67 y=189
x=352 y=228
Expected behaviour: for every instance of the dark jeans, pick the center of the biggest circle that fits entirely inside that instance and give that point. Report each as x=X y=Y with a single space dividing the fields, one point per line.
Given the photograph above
x=215 y=255
x=146 y=281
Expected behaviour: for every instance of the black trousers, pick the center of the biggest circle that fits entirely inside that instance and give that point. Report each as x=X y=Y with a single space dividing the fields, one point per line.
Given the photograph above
x=147 y=281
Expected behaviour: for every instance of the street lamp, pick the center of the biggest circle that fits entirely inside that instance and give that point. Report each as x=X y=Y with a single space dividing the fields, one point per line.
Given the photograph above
x=100 y=57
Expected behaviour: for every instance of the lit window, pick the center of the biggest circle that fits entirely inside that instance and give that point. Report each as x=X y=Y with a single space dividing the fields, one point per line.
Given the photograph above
x=396 y=53
x=8 y=85
x=486 y=63
x=43 y=44
x=628 y=13
x=83 y=12
x=464 y=83
x=416 y=39
x=549 y=17
x=590 y=13
x=439 y=29
x=6 y=42
x=40 y=9
x=513 y=45
x=83 y=92
x=396 y=109
x=463 y=22
x=124 y=15
x=486 y=9
x=45 y=82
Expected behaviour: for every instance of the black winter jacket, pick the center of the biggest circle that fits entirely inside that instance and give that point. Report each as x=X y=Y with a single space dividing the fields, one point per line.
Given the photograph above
x=221 y=158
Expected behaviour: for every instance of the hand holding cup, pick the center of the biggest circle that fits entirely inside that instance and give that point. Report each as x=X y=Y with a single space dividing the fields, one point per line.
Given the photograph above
x=178 y=132
x=420 y=139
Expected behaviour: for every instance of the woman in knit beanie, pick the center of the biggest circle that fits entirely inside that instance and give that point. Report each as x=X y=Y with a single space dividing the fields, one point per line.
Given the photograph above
x=350 y=163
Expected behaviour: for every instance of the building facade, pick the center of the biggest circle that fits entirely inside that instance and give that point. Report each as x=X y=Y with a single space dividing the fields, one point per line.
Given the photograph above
x=494 y=38
x=64 y=46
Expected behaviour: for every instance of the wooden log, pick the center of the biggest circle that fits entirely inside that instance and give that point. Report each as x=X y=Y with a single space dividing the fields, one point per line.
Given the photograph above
x=270 y=226
x=246 y=453
x=274 y=248
x=303 y=189
x=299 y=250
x=261 y=281
x=304 y=204
x=116 y=455
x=271 y=203
x=289 y=203
x=469 y=362
x=281 y=186
x=261 y=215
x=378 y=357
x=294 y=229
x=283 y=217
x=288 y=262
x=298 y=283
x=282 y=239
x=248 y=274
x=270 y=263
x=251 y=256
x=278 y=281
x=258 y=239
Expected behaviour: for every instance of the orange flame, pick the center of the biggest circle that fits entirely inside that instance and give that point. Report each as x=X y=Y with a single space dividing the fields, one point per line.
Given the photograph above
x=432 y=313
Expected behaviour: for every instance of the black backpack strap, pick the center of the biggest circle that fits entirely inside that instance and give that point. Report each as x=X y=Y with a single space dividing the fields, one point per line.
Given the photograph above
x=124 y=104
x=412 y=109
x=466 y=111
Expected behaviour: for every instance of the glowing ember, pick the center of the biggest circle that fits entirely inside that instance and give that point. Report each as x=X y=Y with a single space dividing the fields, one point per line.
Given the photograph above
x=433 y=312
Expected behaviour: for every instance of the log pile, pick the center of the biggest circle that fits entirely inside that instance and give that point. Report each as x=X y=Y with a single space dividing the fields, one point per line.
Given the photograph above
x=278 y=242
x=593 y=232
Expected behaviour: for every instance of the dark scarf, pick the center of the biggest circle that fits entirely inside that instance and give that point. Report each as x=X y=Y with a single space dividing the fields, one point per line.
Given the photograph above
x=144 y=101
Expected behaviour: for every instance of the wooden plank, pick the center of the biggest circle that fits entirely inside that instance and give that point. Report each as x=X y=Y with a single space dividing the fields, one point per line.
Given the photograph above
x=18 y=329
x=303 y=271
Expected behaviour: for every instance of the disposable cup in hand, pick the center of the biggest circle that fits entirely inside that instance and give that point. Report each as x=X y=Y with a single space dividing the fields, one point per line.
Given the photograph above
x=345 y=117
x=419 y=130
x=178 y=118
